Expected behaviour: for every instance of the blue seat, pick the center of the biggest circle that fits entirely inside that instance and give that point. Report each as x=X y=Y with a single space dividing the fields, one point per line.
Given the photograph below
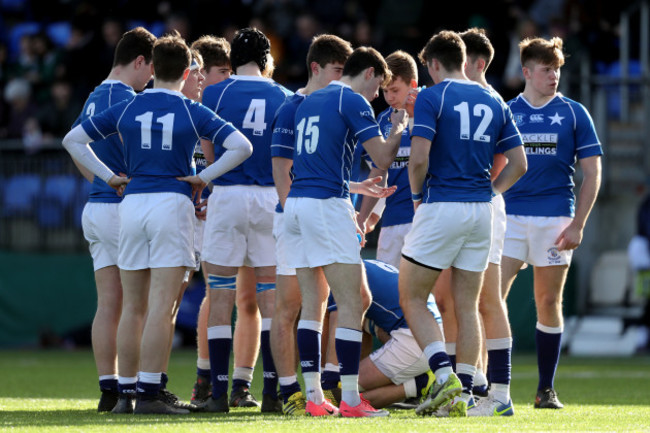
x=59 y=32
x=20 y=195
x=51 y=214
x=17 y=32
x=157 y=28
x=80 y=201
x=62 y=188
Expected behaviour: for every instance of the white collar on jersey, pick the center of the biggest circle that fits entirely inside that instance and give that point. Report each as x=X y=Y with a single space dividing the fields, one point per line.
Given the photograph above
x=527 y=102
x=340 y=83
x=116 y=82
x=462 y=81
x=161 y=90
x=251 y=78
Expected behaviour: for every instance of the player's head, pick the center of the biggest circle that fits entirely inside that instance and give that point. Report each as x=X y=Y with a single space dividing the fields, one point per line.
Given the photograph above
x=251 y=45
x=445 y=49
x=135 y=48
x=541 y=60
x=326 y=56
x=368 y=64
x=479 y=50
x=133 y=44
x=194 y=82
x=216 y=57
x=171 y=58
x=404 y=71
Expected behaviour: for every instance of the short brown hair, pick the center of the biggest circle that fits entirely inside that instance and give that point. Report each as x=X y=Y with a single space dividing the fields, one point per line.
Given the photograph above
x=325 y=49
x=477 y=44
x=447 y=47
x=363 y=58
x=171 y=56
x=402 y=64
x=197 y=57
x=540 y=50
x=136 y=42
x=215 y=51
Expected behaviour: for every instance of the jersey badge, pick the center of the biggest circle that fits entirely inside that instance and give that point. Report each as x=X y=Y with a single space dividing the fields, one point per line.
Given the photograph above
x=556 y=119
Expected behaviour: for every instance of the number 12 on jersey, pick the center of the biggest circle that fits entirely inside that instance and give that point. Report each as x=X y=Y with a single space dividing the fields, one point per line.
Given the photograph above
x=480 y=110
x=308 y=136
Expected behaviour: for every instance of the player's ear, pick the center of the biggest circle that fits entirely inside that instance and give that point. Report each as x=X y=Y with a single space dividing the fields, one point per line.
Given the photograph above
x=370 y=73
x=186 y=73
x=315 y=68
x=481 y=64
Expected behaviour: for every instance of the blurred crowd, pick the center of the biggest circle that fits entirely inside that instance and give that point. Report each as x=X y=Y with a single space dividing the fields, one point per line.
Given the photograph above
x=53 y=52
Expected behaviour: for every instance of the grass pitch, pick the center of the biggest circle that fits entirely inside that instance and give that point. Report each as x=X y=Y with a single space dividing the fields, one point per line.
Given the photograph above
x=56 y=391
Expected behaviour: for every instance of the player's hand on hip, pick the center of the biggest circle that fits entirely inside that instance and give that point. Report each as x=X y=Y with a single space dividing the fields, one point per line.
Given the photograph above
x=118 y=183
x=197 y=186
x=569 y=239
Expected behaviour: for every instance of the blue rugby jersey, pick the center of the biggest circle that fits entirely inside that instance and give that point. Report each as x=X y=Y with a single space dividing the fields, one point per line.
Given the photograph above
x=250 y=104
x=554 y=135
x=384 y=311
x=110 y=152
x=399 y=206
x=282 y=143
x=467 y=125
x=160 y=129
x=329 y=124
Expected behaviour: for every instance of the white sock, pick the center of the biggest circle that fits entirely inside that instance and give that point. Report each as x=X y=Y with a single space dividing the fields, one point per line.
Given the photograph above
x=410 y=389
x=314 y=392
x=350 y=389
x=500 y=392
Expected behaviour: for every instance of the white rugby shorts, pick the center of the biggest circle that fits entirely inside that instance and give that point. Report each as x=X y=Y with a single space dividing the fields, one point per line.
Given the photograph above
x=391 y=242
x=281 y=246
x=498 y=229
x=157 y=231
x=239 y=226
x=448 y=234
x=101 y=227
x=531 y=239
x=320 y=232
x=400 y=358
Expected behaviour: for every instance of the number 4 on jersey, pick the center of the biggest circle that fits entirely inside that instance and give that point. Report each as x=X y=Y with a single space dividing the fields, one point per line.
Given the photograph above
x=254 y=118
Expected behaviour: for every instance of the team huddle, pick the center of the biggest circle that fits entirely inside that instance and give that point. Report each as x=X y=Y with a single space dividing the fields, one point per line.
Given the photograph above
x=260 y=189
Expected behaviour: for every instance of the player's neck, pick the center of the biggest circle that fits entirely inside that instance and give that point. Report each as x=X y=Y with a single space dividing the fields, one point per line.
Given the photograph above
x=536 y=99
x=118 y=73
x=169 y=85
x=250 y=68
x=482 y=81
x=311 y=87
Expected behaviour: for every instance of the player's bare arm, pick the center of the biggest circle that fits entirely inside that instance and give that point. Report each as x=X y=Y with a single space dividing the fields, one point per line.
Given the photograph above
x=571 y=237
x=418 y=166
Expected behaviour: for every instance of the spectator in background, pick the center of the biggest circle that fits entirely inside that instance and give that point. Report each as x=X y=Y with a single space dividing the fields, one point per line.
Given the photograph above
x=18 y=95
x=306 y=27
x=48 y=61
x=57 y=115
x=112 y=30
x=513 y=77
x=81 y=50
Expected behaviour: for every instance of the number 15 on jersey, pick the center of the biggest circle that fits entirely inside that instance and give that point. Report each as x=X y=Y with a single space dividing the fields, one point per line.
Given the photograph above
x=307 y=135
